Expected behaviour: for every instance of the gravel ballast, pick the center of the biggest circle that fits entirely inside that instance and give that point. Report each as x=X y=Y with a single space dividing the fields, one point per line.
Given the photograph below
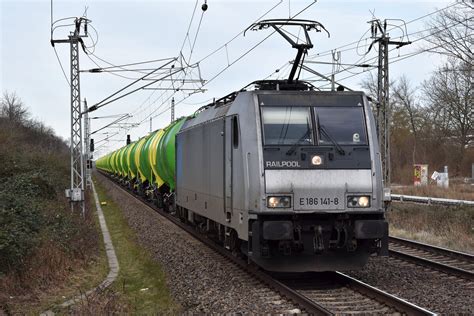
x=200 y=280
x=430 y=289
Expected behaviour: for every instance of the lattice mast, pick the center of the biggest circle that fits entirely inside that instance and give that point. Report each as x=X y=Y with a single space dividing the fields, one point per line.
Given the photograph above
x=76 y=191
x=380 y=35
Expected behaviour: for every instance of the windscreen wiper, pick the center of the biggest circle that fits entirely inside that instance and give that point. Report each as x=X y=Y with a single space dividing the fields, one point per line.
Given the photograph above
x=292 y=148
x=335 y=143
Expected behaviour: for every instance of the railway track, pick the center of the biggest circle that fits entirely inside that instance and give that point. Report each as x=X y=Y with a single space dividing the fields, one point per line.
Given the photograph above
x=315 y=293
x=445 y=260
x=341 y=294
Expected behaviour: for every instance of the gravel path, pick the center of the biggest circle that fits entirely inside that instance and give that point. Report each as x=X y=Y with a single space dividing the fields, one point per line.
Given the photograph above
x=424 y=287
x=201 y=280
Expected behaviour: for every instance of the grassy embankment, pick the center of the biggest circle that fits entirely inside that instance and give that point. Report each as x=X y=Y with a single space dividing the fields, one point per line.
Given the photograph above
x=47 y=253
x=140 y=287
x=446 y=226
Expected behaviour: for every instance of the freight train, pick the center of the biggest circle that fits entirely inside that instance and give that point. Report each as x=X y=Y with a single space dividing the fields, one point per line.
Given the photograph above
x=286 y=175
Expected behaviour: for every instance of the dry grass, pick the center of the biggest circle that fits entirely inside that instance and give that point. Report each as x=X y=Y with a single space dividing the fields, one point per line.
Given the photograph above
x=51 y=274
x=458 y=191
x=450 y=227
x=103 y=302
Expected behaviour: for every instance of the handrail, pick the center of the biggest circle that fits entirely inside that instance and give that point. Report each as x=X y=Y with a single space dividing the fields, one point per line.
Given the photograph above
x=429 y=200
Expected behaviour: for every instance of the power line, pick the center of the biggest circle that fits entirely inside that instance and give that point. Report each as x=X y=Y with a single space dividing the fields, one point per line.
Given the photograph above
x=114 y=74
x=189 y=68
x=237 y=35
x=195 y=37
x=202 y=59
x=396 y=59
x=414 y=41
x=320 y=54
x=255 y=46
x=94 y=43
x=236 y=60
x=105 y=102
x=61 y=65
x=217 y=75
x=189 y=26
x=122 y=67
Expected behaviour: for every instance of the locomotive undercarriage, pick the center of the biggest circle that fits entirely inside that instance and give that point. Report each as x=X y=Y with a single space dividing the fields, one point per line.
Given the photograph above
x=316 y=242
x=299 y=243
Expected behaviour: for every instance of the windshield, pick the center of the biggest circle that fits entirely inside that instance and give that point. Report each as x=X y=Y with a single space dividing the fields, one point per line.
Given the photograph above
x=287 y=125
x=345 y=125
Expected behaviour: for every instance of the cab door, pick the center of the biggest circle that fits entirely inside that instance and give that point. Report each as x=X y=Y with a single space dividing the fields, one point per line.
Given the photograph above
x=228 y=168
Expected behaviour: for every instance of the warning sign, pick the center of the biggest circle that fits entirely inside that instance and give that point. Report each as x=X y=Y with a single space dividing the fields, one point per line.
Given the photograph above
x=420 y=175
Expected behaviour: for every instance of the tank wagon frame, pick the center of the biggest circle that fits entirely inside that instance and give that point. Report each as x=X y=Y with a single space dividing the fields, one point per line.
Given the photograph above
x=286 y=175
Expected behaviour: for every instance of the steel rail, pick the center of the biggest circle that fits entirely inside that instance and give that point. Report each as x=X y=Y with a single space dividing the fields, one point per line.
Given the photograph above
x=399 y=304
x=444 y=251
x=308 y=305
x=434 y=250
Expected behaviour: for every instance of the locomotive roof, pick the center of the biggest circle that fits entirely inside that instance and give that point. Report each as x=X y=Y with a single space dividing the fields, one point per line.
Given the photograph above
x=269 y=87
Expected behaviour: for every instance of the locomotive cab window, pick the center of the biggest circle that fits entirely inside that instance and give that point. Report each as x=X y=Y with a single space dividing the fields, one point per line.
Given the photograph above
x=287 y=125
x=346 y=125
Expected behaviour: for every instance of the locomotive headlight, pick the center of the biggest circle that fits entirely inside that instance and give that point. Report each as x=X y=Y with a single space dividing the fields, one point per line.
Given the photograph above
x=358 y=201
x=278 y=201
x=364 y=201
x=316 y=160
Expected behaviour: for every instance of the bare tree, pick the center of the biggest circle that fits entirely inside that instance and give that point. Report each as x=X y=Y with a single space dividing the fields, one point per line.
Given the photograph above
x=405 y=123
x=451 y=32
x=404 y=97
x=369 y=84
x=12 y=108
x=449 y=92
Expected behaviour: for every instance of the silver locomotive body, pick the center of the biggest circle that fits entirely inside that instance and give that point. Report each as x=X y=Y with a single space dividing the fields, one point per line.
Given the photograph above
x=291 y=178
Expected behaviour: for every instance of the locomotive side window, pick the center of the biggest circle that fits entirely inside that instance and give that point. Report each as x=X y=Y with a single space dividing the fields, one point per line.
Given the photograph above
x=287 y=125
x=346 y=125
x=235 y=132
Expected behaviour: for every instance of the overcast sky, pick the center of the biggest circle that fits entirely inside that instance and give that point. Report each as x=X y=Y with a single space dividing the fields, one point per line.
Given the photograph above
x=134 y=31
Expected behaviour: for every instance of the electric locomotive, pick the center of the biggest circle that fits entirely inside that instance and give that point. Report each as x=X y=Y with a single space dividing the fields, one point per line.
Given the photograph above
x=289 y=176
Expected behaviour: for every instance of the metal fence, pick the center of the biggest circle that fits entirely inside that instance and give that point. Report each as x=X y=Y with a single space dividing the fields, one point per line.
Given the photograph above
x=429 y=200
